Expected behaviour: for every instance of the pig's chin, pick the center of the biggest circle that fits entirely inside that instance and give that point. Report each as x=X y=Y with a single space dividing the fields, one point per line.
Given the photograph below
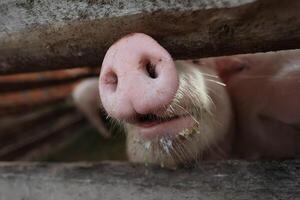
x=170 y=128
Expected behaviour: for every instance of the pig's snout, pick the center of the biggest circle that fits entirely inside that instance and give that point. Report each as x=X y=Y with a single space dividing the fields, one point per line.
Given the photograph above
x=138 y=77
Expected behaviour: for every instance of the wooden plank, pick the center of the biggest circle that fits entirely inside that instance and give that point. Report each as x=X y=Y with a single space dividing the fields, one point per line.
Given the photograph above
x=21 y=85
x=13 y=109
x=225 y=180
x=45 y=132
x=36 y=96
x=51 y=34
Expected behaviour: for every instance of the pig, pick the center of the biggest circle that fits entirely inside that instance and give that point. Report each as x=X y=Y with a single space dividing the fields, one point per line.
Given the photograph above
x=265 y=91
x=184 y=112
x=174 y=113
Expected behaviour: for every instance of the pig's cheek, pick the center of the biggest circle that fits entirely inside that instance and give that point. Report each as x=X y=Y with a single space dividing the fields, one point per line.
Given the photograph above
x=287 y=112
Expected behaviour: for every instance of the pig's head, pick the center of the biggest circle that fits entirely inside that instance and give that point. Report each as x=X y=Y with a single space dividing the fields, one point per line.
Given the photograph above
x=174 y=112
x=265 y=90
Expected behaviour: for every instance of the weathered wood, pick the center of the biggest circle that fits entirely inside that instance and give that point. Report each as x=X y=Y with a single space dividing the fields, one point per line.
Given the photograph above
x=20 y=85
x=38 y=80
x=46 y=131
x=50 y=34
x=42 y=114
x=12 y=109
x=225 y=180
x=36 y=96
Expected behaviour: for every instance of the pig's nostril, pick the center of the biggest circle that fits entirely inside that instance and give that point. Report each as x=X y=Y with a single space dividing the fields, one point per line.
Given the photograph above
x=111 y=80
x=150 y=68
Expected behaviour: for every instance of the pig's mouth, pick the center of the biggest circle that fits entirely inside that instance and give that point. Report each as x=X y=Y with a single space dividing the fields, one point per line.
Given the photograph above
x=152 y=126
x=151 y=120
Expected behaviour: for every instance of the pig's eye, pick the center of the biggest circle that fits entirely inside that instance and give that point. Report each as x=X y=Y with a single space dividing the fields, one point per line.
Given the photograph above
x=150 y=68
x=242 y=67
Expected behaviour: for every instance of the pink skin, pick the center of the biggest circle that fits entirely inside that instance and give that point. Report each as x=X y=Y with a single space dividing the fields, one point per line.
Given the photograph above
x=163 y=119
x=127 y=89
x=265 y=91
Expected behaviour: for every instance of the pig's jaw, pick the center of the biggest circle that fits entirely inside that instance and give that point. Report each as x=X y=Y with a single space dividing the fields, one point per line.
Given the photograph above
x=187 y=137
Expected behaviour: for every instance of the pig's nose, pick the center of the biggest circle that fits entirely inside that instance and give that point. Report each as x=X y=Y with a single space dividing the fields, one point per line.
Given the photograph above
x=138 y=76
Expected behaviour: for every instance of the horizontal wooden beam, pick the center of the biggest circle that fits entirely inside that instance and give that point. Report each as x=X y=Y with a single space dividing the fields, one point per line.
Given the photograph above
x=224 y=180
x=51 y=34
x=34 y=137
x=35 y=97
x=21 y=85
x=42 y=114
x=17 y=110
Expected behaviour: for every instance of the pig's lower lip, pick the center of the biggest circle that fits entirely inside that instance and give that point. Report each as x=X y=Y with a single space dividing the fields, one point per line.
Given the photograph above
x=168 y=128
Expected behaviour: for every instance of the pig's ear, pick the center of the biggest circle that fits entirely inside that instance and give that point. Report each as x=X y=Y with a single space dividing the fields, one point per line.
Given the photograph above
x=228 y=67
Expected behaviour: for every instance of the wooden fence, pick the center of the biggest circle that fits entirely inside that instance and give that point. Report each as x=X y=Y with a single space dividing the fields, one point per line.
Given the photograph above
x=54 y=34
x=225 y=181
x=51 y=34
